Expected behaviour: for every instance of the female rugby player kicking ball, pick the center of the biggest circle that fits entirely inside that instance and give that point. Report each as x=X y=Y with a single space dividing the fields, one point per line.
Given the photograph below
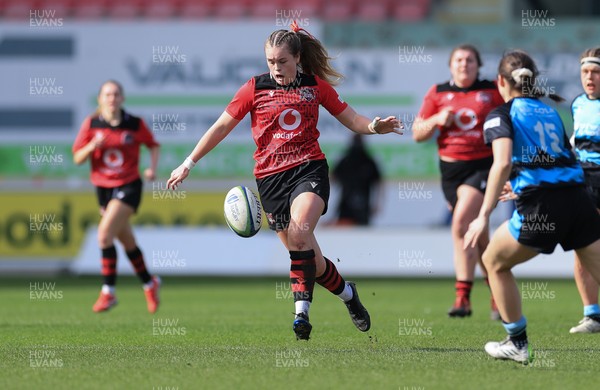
x=291 y=170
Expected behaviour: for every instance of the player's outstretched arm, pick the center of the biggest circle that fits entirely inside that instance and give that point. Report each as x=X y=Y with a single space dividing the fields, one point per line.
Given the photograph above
x=217 y=132
x=363 y=125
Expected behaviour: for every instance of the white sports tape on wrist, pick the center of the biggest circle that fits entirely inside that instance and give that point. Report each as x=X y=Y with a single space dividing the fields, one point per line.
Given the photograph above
x=372 y=125
x=189 y=163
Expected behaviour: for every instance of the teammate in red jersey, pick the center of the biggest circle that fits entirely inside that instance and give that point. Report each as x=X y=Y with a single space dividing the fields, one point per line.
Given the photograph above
x=291 y=170
x=111 y=140
x=457 y=109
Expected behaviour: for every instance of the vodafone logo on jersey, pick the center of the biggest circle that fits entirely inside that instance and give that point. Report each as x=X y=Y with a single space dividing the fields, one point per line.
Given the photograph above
x=289 y=119
x=113 y=158
x=465 y=119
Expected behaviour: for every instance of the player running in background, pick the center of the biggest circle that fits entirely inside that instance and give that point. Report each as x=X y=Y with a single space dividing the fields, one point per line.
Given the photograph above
x=586 y=134
x=291 y=170
x=111 y=140
x=552 y=207
x=458 y=109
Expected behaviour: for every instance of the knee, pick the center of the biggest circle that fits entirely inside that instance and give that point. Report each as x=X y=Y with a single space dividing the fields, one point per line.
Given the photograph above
x=298 y=244
x=298 y=241
x=105 y=238
x=492 y=263
x=299 y=236
x=460 y=225
x=486 y=260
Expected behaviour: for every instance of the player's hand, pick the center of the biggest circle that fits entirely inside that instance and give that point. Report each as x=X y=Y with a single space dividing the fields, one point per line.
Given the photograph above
x=97 y=141
x=177 y=177
x=149 y=174
x=445 y=117
x=387 y=125
x=507 y=193
x=477 y=227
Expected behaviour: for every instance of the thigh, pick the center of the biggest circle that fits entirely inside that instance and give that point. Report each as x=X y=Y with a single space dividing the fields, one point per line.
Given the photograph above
x=467 y=206
x=305 y=212
x=504 y=251
x=589 y=257
x=115 y=216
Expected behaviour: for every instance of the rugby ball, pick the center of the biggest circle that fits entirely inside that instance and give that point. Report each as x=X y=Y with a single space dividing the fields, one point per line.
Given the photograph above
x=243 y=211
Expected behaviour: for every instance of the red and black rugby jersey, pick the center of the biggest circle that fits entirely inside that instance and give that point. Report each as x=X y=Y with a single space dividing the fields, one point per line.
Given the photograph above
x=463 y=140
x=284 y=119
x=115 y=163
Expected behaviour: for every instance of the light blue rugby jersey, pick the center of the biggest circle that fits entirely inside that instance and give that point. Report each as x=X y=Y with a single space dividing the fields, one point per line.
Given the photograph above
x=542 y=156
x=586 y=128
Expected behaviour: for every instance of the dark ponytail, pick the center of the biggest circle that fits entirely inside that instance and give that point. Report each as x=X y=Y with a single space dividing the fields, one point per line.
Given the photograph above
x=520 y=71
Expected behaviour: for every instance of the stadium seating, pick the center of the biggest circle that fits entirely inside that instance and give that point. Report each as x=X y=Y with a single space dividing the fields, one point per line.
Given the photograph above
x=372 y=11
x=266 y=10
x=160 y=9
x=233 y=9
x=191 y=9
x=307 y=8
x=410 y=10
x=125 y=9
x=338 y=10
x=89 y=9
x=61 y=8
x=17 y=9
x=330 y=10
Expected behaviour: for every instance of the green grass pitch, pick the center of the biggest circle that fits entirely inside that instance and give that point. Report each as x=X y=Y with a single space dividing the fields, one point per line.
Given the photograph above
x=217 y=333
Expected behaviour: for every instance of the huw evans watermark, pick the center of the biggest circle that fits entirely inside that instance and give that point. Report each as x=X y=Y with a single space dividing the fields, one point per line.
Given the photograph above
x=290 y=359
x=414 y=327
x=537 y=291
x=414 y=259
x=44 y=291
x=536 y=18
